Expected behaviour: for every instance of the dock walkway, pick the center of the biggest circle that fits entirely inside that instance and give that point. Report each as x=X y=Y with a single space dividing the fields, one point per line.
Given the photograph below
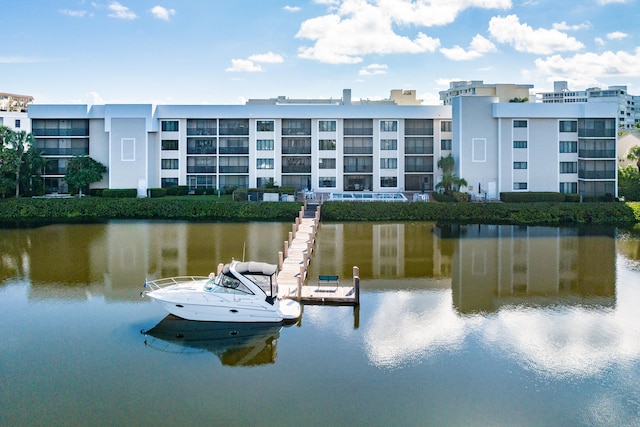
x=294 y=265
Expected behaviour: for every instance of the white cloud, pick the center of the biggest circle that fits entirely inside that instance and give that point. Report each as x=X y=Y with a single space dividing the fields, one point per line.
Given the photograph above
x=93 y=98
x=269 y=57
x=21 y=60
x=160 y=12
x=433 y=12
x=525 y=39
x=244 y=65
x=291 y=8
x=605 y=2
x=361 y=30
x=478 y=47
x=587 y=67
x=74 y=13
x=563 y=26
x=373 y=70
x=120 y=12
x=617 y=35
x=599 y=41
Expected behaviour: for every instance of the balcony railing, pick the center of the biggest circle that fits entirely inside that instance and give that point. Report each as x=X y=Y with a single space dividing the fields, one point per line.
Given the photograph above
x=597 y=174
x=234 y=169
x=358 y=168
x=234 y=150
x=296 y=169
x=305 y=149
x=296 y=131
x=201 y=169
x=63 y=151
x=61 y=132
x=358 y=131
x=418 y=168
x=202 y=150
x=55 y=170
x=597 y=154
x=358 y=150
x=240 y=130
x=202 y=131
x=418 y=131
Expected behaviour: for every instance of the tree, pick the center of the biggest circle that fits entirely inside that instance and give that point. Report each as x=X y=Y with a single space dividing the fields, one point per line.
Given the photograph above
x=634 y=155
x=20 y=141
x=450 y=182
x=82 y=171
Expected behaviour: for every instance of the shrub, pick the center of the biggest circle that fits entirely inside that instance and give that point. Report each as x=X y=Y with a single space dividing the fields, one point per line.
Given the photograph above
x=157 y=192
x=120 y=193
x=178 y=190
x=532 y=196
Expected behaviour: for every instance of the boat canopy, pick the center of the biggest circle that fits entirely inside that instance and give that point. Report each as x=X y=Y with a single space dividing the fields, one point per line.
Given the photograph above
x=252 y=267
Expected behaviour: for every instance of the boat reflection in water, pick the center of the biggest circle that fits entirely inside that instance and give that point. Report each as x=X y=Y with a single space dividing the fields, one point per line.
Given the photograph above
x=235 y=344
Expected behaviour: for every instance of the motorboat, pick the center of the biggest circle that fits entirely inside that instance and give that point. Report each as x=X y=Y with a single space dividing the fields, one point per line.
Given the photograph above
x=235 y=344
x=240 y=292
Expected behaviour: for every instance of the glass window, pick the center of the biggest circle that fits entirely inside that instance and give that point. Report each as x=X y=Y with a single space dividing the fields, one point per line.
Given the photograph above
x=169 y=163
x=388 y=126
x=568 y=147
x=358 y=126
x=170 y=126
x=327 y=125
x=327 y=164
x=168 y=182
x=519 y=165
x=388 y=144
x=264 y=126
x=568 y=126
x=17 y=124
x=519 y=123
x=568 y=167
x=388 y=181
x=519 y=185
x=519 y=144
x=326 y=181
x=327 y=144
x=264 y=144
x=388 y=163
x=445 y=144
x=264 y=163
x=568 y=187
x=170 y=144
x=445 y=126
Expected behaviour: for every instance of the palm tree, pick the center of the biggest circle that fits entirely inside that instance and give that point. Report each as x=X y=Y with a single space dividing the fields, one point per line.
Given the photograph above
x=450 y=182
x=634 y=155
x=20 y=142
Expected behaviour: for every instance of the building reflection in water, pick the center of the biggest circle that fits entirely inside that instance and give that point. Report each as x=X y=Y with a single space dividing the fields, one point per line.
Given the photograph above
x=502 y=265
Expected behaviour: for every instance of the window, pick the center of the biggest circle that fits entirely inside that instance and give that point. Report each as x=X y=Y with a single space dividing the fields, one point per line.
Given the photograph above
x=568 y=187
x=264 y=144
x=264 y=126
x=388 y=181
x=445 y=144
x=388 y=163
x=17 y=124
x=358 y=145
x=388 y=126
x=519 y=123
x=202 y=127
x=169 y=164
x=519 y=165
x=519 y=144
x=568 y=147
x=170 y=144
x=445 y=126
x=170 y=126
x=597 y=128
x=519 y=185
x=388 y=144
x=234 y=127
x=568 y=167
x=327 y=125
x=327 y=144
x=264 y=163
x=418 y=145
x=326 y=181
x=327 y=164
x=568 y=126
x=168 y=182
x=358 y=126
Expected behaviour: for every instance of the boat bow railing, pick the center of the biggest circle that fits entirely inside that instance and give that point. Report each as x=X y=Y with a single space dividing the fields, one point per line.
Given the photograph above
x=152 y=285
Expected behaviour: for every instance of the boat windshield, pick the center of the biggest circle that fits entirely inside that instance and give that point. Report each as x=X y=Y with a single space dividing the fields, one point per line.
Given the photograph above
x=224 y=283
x=266 y=283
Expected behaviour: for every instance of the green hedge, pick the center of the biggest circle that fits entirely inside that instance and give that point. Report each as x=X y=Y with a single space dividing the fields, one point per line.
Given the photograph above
x=157 y=192
x=120 y=193
x=532 y=196
x=96 y=208
x=486 y=213
x=178 y=190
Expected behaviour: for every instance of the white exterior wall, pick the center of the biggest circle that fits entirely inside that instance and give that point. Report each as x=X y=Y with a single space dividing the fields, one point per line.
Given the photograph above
x=10 y=119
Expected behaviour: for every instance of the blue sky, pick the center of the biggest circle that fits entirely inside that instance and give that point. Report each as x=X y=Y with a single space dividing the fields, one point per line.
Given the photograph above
x=227 y=51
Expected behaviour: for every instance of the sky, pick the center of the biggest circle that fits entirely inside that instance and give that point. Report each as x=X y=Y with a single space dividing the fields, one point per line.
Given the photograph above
x=228 y=51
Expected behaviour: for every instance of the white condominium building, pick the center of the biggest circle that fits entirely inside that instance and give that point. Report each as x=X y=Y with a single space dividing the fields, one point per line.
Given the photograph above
x=337 y=146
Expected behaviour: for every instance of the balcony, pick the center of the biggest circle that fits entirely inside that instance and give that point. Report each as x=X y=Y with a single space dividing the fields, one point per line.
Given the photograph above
x=303 y=149
x=61 y=132
x=234 y=131
x=358 y=131
x=203 y=150
x=358 y=168
x=212 y=131
x=234 y=150
x=597 y=175
x=597 y=154
x=358 y=150
x=201 y=169
x=234 y=169
x=296 y=131
x=296 y=169
x=84 y=151
x=418 y=131
x=418 y=168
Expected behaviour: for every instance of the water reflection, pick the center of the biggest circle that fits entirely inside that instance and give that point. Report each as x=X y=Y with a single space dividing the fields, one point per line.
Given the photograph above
x=235 y=344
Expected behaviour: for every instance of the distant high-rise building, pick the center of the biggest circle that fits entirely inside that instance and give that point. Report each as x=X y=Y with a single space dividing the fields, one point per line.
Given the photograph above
x=14 y=103
x=506 y=92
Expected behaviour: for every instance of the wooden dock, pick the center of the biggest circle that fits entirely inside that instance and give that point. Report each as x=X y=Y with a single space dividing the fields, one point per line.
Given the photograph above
x=294 y=261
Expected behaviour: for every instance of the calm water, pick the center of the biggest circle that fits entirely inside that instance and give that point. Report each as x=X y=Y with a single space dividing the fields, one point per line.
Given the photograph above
x=475 y=325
